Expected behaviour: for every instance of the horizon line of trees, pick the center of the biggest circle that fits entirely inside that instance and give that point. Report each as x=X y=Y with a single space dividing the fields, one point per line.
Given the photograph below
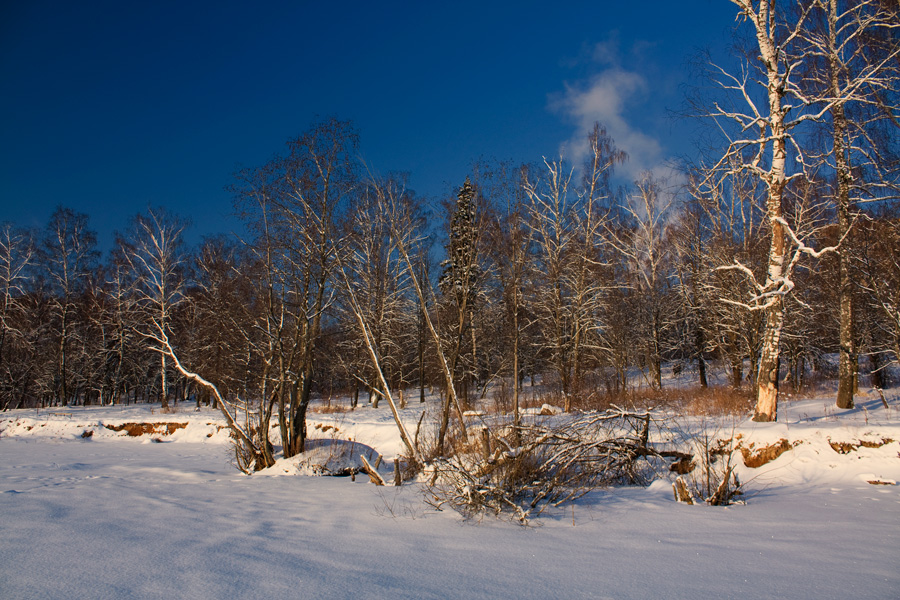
x=781 y=246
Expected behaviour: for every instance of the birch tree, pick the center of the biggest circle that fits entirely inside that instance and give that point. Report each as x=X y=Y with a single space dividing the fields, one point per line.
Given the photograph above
x=851 y=48
x=157 y=255
x=765 y=124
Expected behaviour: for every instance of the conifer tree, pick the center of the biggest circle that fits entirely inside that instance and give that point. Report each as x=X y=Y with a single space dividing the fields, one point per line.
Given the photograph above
x=459 y=283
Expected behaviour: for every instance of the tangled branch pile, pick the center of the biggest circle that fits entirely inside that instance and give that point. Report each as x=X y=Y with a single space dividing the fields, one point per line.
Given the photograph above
x=548 y=463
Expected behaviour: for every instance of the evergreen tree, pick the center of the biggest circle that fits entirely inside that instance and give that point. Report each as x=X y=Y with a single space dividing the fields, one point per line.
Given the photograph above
x=460 y=272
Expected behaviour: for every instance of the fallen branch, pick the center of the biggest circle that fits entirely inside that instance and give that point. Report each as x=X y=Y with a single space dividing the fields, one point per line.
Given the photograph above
x=374 y=477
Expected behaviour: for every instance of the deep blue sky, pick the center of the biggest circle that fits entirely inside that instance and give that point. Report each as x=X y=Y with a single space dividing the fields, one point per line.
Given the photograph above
x=108 y=107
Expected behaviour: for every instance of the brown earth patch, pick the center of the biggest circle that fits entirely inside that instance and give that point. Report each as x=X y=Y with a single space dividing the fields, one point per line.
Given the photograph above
x=848 y=447
x=755 y=458
x=137 y=429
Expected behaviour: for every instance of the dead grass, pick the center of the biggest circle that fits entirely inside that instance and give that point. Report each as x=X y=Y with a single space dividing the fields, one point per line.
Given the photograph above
x=695 y=401
x=329 y=409
x=715 y=401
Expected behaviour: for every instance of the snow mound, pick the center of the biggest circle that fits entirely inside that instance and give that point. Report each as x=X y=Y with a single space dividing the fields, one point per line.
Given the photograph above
x=327 y=457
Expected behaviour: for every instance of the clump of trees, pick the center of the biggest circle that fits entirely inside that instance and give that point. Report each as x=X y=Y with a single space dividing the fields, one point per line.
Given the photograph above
x=781 y=248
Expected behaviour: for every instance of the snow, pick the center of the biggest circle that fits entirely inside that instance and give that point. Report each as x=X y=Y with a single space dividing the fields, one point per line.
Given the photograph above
x=113 y=516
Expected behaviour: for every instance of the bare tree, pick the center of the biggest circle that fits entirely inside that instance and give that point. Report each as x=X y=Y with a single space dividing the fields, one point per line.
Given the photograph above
x=157 y=255
x=376 y=281
x=766 y=126
x=591 y=275
x=407 y=238
x=851 y=50
x=124 y=310
x=226 y=315
x=552 y=223
x=690 y=240
x=510 y=247
x=646 y=251
x=878 y=256
x=16 y=257
x=294 y=205
x=69 y=255
x=734 y=211
x=569 y=225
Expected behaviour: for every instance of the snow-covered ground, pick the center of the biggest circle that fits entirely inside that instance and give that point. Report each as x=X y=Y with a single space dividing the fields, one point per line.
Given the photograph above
x=114 y=516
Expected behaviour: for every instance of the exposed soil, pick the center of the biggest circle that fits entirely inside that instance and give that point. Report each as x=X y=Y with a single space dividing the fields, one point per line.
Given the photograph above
x=848 y=447
x=757 y=457
x=137 y=429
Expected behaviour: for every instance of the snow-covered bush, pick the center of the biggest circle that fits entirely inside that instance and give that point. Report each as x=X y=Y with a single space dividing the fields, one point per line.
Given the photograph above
x=520 y=471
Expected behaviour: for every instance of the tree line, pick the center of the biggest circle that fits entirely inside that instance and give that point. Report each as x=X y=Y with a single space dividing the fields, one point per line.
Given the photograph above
x=775 y=247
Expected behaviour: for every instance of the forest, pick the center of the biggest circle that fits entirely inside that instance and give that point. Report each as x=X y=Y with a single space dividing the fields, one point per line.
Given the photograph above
x=772 y=255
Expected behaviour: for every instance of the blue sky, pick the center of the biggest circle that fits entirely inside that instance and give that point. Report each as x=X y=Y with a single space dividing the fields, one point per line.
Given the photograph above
x=109 y=107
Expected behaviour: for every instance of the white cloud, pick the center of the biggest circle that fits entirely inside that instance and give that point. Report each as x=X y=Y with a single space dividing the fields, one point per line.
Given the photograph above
x=607 y=97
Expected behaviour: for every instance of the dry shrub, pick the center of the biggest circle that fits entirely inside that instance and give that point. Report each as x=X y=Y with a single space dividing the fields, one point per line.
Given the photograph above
x=847 y=447
x=426 y=439
x=546 y=462
x=714 y=480
x=329 y=409
x=634 y=399
x=716 y=401
x=553 y=398
x=502 y=398
x=692 y=401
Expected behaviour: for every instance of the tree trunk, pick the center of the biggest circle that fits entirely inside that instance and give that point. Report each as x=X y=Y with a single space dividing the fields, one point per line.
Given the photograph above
x=847 y=364
x=701 y=369
x=516 y=385
x=164 y=396
x=767 y=378
x=63 y=370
